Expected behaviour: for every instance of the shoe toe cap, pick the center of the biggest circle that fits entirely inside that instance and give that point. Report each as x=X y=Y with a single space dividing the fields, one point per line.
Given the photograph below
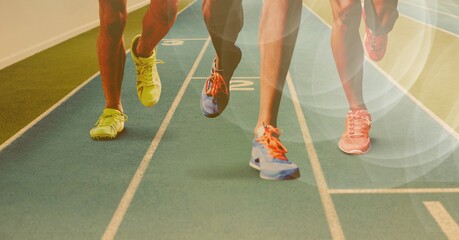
x=103 y=132
x=150 y=96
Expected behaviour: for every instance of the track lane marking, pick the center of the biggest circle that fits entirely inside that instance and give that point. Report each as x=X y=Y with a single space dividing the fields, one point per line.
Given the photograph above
x=393 y=191
x=125 y=202
x=418 y=103
x=447 y=224
x=78 y=88
x=327 y=202
x=47 y=112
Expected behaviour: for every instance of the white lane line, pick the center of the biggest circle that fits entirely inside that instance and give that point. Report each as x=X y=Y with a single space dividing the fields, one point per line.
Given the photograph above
x=118 y=216
x=329 y=207
x=429 y=9
x=430 y=25
x=443 y=219
x=64 y=99
x=184 y=39
x=200 y=78
x=46 y=113
x=393 y=191
x=440 y=121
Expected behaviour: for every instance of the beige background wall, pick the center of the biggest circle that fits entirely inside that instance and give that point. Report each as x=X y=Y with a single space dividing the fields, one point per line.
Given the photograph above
x=28 y=26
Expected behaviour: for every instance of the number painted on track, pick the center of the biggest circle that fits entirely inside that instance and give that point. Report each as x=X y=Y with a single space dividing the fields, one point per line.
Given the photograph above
x=172 y=42
x=241 y=85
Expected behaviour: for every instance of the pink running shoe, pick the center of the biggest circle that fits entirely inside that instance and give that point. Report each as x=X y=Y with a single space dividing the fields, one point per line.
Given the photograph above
x=356 y=138
x=375 y=45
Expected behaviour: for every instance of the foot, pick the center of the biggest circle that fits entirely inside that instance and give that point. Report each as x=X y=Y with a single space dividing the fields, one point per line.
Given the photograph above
x=268 y=156
x=356 y=138
x=110 y=123
x=215 y=93
x=375 y=44
x=147 y=78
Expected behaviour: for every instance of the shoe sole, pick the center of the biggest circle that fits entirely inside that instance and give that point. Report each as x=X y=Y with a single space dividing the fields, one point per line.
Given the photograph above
x=207 y=114
x=355 y=152
x=254 y=166
x=103 y=138
x=292 y=176
x=107 y=137
x=295 y=173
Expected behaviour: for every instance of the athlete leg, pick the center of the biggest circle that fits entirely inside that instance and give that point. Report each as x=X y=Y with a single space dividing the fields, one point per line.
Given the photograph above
x=157 y=22
x=224 y=20
x=381 y=15
x=278 y=32
x=111 y=49
x=347 y=49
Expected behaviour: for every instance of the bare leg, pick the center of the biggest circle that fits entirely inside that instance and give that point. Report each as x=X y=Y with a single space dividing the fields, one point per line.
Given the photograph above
x=111 y=50
x=381 y=15
x=347 y=49
x=157 y=22
x=279 y=26
x=224 y=20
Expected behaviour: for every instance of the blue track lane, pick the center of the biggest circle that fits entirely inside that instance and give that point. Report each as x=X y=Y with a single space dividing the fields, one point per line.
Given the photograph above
x=57 y=183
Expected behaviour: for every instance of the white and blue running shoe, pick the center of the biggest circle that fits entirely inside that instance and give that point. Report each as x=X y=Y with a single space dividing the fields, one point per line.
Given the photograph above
x=268 y=156
x=216 y=91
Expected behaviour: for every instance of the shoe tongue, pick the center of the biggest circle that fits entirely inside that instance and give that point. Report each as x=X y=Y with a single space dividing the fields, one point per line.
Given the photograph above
x=358 y=112
x=260 y=131
x=146 y=59
x=109 y=111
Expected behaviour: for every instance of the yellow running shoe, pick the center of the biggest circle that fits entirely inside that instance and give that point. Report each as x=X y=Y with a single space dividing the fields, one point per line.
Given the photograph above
x=356 y=136
x=147 y=78
x=110 y=123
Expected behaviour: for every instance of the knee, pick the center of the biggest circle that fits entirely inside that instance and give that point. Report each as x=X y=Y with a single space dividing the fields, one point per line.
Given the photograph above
x=112 y=19
x=347 y=16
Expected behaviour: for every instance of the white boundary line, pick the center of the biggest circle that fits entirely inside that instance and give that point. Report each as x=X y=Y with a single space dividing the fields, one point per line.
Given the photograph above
x=430 y=25
x=43 y=115
x=60 y=102
x=329 y=207
x=188 y=6
x=429 y=9
x=21 y=55
x=121 y=210
x=184 y=39
x=447 y=127
x=443 y=219
x=239 y=78
x=448 y=4
x=393 y=191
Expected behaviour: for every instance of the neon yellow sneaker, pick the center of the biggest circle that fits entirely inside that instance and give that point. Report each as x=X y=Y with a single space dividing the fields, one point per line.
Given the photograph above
x=110 y=123
x=356 y=136
x=147 y=78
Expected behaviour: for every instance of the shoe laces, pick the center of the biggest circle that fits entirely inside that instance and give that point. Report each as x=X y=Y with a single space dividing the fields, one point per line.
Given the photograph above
x=218 y=84
x=359 y=123
x=145 y=70
x=109 y=119
x=270 y=139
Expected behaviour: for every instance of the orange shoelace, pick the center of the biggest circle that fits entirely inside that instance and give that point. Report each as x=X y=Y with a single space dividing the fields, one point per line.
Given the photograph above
x=271 y=141
x=359 y=124
x=218 y=84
